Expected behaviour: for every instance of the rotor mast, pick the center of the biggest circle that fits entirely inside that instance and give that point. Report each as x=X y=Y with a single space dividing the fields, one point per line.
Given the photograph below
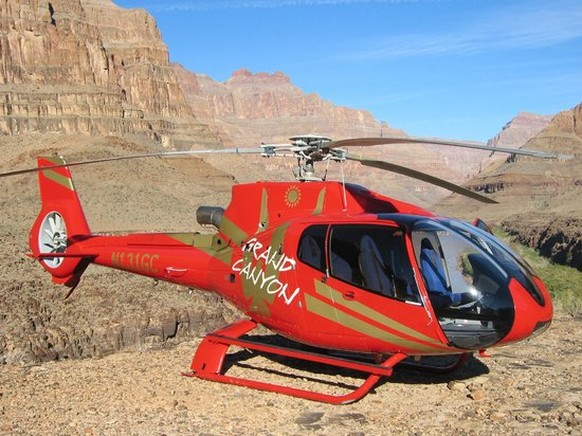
x=307 y=149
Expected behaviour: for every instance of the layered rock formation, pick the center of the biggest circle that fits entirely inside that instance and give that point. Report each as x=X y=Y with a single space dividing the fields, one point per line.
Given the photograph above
x=91 y=67
x=41 y=326
x=109 y=310
x=86 y=71
x=539 y=199
x=558 y=238
x=515 y=134
x=520 y=129
x=557 y=231
x=250 y=108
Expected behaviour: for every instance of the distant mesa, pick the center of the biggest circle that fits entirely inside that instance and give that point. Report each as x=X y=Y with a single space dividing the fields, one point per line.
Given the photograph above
x=244 y=74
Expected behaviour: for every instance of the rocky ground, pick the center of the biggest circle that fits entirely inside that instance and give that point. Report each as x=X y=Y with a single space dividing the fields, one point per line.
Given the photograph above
x=528 y=389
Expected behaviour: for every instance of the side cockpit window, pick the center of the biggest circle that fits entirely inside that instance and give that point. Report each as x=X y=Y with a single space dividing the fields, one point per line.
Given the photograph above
x=312 y=247
x=373 y=258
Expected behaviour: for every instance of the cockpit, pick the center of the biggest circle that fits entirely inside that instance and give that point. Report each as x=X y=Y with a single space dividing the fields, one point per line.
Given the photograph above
x=466 y=272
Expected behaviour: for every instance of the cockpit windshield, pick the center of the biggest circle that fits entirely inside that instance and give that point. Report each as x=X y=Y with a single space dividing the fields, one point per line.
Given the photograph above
x=466 y=274
x=508 y=259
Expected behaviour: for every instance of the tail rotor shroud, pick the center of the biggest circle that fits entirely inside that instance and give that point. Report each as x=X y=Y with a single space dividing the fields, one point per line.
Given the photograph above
x=52 y=238
x=60 y=222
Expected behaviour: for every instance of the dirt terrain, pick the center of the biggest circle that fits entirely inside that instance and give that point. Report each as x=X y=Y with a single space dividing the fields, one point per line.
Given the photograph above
x=527 y=389
x=110 y=310
x=108 y=359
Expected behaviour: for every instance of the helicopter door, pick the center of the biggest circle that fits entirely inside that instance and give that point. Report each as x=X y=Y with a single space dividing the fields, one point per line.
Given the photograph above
x=370 y=269
x=320 y=317
x=372 y=258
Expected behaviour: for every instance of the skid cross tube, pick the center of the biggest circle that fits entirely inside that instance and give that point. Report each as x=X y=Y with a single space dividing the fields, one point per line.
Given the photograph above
x=208 y=363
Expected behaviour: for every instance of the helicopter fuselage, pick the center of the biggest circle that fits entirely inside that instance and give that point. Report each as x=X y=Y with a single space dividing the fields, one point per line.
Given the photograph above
x=322 y=263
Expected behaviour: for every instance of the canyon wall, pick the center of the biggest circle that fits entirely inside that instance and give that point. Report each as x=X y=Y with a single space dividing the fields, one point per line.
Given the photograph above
x=90 y=67
x=520 y=129
x=250 y=108
x=539 y=200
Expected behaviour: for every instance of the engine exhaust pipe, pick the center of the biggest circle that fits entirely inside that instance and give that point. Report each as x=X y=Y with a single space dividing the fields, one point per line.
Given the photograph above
x=210 y=215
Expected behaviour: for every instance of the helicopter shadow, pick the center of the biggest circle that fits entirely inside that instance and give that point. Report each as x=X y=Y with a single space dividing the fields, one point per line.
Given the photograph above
x=288 y=368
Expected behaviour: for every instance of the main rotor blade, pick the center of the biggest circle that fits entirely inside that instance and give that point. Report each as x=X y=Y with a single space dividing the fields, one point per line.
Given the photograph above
x=138 y=156
x=365 y=142
x=421 y=176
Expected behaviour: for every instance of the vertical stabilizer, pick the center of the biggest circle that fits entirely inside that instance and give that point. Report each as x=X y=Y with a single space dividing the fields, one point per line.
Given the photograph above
x=59 y=224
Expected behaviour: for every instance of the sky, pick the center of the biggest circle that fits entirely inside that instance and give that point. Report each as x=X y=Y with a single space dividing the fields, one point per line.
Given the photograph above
x=458 y=69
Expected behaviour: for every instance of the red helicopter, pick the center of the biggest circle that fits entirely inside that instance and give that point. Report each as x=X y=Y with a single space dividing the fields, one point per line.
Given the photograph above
x=325 y=264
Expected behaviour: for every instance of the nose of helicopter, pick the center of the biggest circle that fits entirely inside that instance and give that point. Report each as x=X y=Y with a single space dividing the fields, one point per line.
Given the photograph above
x=532 y=314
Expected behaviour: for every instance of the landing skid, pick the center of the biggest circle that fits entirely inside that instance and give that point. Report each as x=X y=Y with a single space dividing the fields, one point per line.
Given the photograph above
x=209 y=359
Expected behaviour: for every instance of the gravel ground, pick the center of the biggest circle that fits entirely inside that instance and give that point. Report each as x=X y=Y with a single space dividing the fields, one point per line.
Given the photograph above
x=529 y=388
x=533 y=387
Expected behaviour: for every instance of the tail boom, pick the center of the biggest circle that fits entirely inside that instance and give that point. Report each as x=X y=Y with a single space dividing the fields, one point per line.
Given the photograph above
x=60 y=239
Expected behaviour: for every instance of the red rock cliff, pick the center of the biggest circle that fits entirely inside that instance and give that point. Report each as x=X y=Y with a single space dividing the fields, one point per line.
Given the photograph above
x=89 y=66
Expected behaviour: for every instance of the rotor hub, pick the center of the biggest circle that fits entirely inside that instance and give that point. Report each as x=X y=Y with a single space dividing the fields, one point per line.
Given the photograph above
x=308 y=149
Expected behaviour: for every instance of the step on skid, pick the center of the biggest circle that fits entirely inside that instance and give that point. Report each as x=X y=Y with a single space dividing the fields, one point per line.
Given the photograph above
x=209 y=359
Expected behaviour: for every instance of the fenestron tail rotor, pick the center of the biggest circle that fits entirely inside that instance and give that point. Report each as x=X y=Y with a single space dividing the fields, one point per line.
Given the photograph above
x=52 y=238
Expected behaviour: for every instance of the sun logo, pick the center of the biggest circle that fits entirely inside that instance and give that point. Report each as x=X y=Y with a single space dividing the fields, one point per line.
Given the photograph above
x=292 y=196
